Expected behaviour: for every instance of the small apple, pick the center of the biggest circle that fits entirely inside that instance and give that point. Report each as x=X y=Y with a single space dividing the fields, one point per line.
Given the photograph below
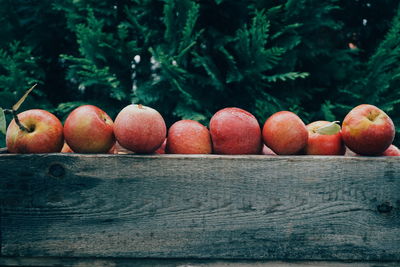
x=66 y=149
x=267 y=151
x=235 y=131
x=367 y=130
x=349 y=153
x=188 y=137
x=392 y=150
x=44 y=135
x=324 y=138
x=285 y=133
x=161 y=149
x=118 y=149
x=140 y=129
x=88 y=129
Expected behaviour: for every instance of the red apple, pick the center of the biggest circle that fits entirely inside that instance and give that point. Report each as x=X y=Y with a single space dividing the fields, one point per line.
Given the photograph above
x=66 y=149
x=367 y=130
x=285 y=133
x=392 y=150
x=324 y=138
x=88 y=129
x=118 y=149
x=188 y=137
x=235 y=131
x=267 y=151
x=349 y=153
x=140 y=129
x=113 y=149
x=161 y=149
x=44 y=135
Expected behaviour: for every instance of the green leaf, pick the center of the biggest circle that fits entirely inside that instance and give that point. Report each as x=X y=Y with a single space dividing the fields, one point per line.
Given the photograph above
x=3 y=126
x=330 y=129
x=22 y=99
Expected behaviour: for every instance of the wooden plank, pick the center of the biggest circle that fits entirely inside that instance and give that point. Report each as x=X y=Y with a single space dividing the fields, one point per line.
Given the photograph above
x=115 y=262
x=211 y=207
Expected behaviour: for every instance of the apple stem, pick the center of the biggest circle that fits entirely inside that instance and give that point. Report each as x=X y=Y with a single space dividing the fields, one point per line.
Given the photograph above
x=17 y=121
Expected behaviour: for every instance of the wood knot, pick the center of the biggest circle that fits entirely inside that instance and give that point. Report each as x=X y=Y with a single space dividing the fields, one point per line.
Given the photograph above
x=56 y=170
x=384 y=207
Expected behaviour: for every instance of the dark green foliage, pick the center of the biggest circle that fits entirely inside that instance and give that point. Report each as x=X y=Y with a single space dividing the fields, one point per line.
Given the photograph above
x=18 y=70
x=379 y=82
x=190 y=58
x=187 y=69
x=201 y=70
x=383 y=71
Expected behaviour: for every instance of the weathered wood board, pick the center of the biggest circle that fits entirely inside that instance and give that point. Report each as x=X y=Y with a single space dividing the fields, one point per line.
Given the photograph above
x=202 y=207
x=126 y=262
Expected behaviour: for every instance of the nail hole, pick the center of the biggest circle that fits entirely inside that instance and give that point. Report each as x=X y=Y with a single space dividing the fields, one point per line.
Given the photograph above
x=384 y=207
x=56 y=170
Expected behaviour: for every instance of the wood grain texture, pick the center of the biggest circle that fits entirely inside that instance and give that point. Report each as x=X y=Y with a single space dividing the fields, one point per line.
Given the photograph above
x=123 y=262
x=211 y=207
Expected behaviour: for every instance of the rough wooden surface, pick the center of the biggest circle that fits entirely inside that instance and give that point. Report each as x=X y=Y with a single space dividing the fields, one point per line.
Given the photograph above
x=211 y=207
x=115 y=262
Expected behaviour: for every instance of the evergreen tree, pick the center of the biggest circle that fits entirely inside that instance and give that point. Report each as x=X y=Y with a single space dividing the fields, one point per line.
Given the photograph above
x=190 y=58
x=188 y=68
x=33 y=34
x=379 y=82
x=321 y=51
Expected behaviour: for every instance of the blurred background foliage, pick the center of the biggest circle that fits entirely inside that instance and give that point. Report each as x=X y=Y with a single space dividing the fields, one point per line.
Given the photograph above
x=188 y=59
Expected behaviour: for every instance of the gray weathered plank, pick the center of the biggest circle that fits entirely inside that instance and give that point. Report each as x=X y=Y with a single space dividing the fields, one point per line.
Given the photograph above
x=123 y=262
x=174 y=206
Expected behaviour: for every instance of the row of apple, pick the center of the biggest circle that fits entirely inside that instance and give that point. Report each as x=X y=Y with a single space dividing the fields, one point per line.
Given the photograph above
x=366 y=130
